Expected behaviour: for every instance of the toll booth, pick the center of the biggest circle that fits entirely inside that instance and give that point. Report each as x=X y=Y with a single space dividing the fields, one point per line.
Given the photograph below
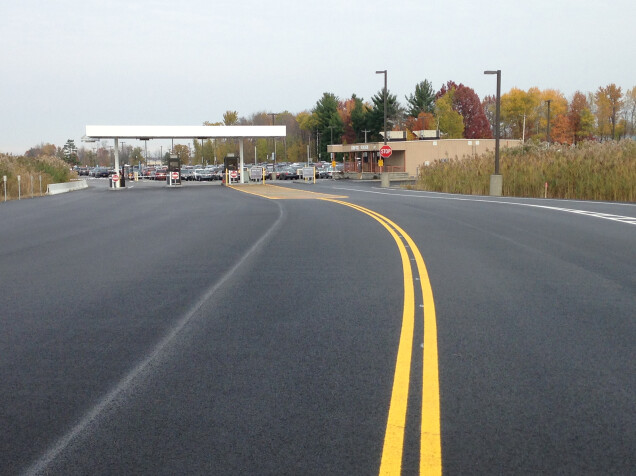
x=230 y=169
x=173 y=177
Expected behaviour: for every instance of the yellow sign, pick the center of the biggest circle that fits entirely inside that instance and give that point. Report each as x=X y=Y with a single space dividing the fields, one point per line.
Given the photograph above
x=381 y=162
x=333 y=164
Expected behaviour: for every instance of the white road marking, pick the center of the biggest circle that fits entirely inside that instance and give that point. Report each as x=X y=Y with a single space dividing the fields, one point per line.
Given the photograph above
x=605 y=216
x=56 y=449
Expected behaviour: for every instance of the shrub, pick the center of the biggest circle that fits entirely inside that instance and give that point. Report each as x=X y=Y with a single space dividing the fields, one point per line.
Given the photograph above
x=587 y=171
x=51 y=169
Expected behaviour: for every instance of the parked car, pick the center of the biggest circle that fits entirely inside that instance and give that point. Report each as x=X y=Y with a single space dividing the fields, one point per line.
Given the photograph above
x=338 y=170
x=288 y=173
x=321 y=172
x=148 y=173
x=187 y=174
x=82 y=171
x=202 y=174
x=216 y=171
x=101 y=172
x=161 y=174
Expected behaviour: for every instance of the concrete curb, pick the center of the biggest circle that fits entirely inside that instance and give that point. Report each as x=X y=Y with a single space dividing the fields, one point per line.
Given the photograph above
x=56 y=188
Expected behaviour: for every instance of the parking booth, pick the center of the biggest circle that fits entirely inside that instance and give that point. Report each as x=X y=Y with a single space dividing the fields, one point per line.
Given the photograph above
x=173 y=177
x=230 y=169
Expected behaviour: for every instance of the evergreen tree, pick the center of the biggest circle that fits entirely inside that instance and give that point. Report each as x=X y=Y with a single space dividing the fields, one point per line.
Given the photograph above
x=422 y=101
x=329 y=123
x=375 y=117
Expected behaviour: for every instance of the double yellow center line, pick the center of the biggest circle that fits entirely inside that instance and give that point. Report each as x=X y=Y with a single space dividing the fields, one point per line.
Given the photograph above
x=430 y=435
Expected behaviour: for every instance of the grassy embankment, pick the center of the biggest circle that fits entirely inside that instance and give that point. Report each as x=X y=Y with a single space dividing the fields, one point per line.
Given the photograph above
x=589 y=171
x=51 y=169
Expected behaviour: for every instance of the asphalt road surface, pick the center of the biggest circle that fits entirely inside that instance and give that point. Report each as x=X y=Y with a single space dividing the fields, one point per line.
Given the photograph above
x=204 y=330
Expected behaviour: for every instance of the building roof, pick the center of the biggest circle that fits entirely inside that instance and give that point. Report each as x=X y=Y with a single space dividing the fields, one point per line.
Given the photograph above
x=183 y=132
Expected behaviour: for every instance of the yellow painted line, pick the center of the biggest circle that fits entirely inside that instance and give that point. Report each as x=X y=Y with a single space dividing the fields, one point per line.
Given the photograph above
x=430 y=437
x=430 y=434
x=392 y=450
x=275 y=192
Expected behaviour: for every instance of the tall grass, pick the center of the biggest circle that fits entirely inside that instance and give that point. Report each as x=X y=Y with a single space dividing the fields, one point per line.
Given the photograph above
x=589 y=171
x=51 y=169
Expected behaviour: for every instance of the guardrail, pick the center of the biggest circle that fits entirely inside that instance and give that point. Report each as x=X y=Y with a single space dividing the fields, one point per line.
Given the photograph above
x=56 y=188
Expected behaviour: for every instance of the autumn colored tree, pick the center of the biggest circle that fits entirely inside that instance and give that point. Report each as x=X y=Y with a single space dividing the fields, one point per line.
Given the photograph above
x=608 y=101
x=230 y=118
x=580 y=117
x=489 y=105
x=558 y=107
x=345 y=109
x=42 y=149
x=467 y=104
x=561 y=131
x=183 y=151
x=519 y=107
x=451 y=123
x=630 y=110
x=308 y=123
x=424 y=121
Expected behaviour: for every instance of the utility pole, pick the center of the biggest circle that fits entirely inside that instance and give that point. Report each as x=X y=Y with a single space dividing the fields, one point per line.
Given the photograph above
x=331 y=143
x=548 y=134
x=365 y=135
x=523 y=133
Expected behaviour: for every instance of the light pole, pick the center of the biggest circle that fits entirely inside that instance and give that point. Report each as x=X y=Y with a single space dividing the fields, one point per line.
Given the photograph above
x=496 y=182
x=384 y=94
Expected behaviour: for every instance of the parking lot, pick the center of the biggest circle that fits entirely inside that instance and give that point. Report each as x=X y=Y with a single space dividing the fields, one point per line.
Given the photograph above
x=214 y=173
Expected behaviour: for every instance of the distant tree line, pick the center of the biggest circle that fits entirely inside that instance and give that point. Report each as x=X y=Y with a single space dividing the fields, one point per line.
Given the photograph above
x=455 y=111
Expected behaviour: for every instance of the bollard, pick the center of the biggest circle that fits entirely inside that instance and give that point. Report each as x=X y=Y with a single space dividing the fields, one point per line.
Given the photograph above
x=385 y=181
x=19 y=189
x=4 y=180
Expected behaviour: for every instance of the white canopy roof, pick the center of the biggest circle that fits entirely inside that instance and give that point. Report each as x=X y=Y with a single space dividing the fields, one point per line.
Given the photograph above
x=183 y=132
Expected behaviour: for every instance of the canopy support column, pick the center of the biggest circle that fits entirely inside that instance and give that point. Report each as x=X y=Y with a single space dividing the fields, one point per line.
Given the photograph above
x=241 y=171
x=117 y=154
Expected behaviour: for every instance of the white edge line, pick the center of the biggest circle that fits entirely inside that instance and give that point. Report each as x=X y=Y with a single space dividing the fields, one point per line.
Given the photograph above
x=606 y=216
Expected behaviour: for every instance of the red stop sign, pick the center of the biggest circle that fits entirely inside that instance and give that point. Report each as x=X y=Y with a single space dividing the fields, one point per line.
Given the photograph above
x=386 y=151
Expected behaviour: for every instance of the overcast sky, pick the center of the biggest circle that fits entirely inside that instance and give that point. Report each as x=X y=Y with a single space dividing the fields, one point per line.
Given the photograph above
x=68 y=63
